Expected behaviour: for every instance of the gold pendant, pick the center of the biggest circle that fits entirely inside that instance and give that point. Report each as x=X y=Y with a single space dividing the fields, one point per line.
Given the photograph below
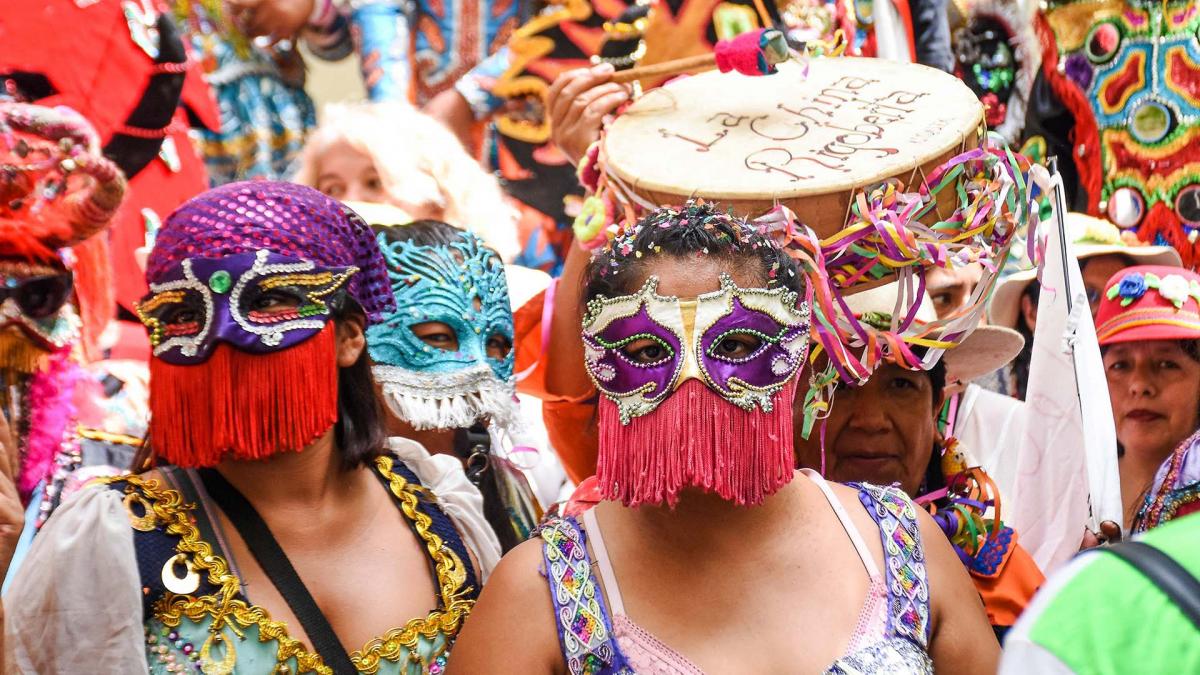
x=228 y=659
x=185 y=585
x=145 y=522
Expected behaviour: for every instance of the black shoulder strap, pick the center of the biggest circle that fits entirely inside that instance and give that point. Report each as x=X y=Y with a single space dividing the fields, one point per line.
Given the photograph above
x=1171 y=578
x=275 y=563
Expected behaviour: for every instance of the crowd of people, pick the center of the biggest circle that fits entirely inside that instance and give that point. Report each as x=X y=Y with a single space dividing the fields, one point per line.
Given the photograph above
x=654 y=337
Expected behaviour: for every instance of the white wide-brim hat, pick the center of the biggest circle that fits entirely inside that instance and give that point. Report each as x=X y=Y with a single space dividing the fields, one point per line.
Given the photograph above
x=985 y=350
x=1092 y=237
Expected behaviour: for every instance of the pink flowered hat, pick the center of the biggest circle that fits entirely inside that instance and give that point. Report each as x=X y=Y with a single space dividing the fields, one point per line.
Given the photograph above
x=1149 y=302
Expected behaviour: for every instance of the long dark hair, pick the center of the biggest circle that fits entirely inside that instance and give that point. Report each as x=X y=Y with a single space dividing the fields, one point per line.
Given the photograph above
x=359 y=432
x=1020 y=364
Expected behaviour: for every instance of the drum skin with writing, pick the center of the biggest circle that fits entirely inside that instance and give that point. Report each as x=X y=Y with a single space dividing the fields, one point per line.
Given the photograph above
x=810 y=141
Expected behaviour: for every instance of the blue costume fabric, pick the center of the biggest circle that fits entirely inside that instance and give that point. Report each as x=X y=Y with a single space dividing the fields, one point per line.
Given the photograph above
x=412 y=50
x=264 y=110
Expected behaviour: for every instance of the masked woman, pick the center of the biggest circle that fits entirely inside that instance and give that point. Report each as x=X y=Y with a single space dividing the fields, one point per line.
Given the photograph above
x=267 y=495
x=694 y=335
x=445 y=362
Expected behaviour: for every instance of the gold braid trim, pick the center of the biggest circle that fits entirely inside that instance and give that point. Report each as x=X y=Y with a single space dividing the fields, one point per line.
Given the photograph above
x=173 y=516
x=451 y=579
x=168 y=511
x=108 y=437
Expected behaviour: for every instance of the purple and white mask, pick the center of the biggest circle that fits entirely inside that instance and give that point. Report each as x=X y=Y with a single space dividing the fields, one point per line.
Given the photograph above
x=258 y=302
x=744 y=344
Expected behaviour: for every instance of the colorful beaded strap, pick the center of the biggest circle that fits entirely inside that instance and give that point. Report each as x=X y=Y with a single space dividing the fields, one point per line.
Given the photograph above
x=904 y=560
x=584 y=624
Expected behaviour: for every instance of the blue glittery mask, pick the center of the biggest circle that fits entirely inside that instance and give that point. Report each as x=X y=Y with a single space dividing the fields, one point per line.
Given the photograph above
x=463 y=286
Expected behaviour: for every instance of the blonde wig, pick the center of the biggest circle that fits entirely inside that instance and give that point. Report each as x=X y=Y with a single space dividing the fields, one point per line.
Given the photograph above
x=419 y=162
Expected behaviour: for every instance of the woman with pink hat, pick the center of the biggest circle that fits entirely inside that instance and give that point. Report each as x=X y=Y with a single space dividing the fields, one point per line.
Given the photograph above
x=1148 y=325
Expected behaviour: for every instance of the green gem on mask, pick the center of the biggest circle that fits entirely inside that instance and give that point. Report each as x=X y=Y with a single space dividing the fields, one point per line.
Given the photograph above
x=220 y=282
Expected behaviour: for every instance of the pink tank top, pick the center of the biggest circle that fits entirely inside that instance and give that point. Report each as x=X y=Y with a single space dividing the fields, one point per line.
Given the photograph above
x=880 y=642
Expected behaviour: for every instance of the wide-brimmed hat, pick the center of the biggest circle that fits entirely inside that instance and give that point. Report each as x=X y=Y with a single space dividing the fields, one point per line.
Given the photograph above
x=1090 y=237
x=985 y=350
x=1149 y=302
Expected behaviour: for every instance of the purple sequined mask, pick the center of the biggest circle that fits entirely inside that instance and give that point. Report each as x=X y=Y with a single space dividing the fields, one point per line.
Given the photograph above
x=744 y=344
x=259 y=265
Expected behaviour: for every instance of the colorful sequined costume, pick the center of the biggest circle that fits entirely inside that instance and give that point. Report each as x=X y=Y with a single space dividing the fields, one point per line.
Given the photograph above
x=175 y=598
x=246 y=283
x=1117 y=100
x=598 y=638
x=997 y=55
x=264 y=112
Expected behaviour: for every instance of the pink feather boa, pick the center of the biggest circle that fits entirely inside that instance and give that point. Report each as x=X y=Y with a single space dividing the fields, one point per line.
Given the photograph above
x=51 y=410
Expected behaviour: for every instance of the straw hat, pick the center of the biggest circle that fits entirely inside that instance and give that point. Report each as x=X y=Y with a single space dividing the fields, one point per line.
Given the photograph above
x=1090 y=237
x=986 y=349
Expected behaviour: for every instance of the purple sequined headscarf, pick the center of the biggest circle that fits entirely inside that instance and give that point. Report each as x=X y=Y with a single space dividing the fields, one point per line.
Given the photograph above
x=284 y=218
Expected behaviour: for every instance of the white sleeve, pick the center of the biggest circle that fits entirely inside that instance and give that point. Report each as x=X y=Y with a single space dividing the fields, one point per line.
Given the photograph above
x=444 y=476
x=75 y=605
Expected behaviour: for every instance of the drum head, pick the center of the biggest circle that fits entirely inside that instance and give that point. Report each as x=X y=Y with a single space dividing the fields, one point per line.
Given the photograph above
x=809 y=142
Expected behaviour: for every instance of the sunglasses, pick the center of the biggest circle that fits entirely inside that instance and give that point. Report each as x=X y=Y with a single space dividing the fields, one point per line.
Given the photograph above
x=38 y=297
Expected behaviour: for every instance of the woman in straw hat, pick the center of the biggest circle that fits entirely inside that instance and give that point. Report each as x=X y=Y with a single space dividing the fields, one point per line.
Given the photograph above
x=1149 y=331
x=886 y=431
x=1101 y=251
x=695 y=333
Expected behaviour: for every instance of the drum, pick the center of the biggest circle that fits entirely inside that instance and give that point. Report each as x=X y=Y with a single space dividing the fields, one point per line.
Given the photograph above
x=811 y=137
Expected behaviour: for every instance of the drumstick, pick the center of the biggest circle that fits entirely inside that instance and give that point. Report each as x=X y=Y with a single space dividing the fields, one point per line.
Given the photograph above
x=754 y=53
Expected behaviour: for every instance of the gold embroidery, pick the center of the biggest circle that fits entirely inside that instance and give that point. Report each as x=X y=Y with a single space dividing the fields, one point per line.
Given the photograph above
x=451 y=577
x=167 y=508
x=108 y=437
x=228 y=657
x=170 y=510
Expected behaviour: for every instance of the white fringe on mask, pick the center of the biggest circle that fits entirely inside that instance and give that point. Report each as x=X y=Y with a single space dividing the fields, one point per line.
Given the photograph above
x=448 y=400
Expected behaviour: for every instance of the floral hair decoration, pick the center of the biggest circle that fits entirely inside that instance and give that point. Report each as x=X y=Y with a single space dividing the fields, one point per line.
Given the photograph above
x=1149 y=302
x=1173 y=288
